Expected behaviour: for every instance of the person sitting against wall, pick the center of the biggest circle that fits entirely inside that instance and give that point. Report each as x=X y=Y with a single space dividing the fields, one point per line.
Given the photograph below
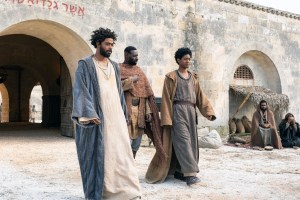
x=289 y=131
x=263 y=130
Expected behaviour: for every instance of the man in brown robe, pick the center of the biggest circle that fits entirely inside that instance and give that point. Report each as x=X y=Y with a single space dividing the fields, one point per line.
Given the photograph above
x=142 y=110
x=263 y=131
x=181 y=95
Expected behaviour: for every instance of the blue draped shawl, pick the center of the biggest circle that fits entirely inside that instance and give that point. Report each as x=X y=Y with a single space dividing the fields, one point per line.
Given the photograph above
x=89 y=137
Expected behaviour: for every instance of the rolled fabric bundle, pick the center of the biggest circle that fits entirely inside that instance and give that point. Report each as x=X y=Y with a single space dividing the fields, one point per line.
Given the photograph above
x=239 y=126
x=232 y=126
x=247 y=124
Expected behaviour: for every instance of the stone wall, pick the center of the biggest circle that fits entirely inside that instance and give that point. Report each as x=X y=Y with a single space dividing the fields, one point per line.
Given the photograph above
x=221 y=33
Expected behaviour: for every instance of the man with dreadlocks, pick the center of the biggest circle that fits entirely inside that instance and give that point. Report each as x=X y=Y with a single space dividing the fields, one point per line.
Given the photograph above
x=142 y=111
x=181 y=95
x=263 y=130
x=99 y=110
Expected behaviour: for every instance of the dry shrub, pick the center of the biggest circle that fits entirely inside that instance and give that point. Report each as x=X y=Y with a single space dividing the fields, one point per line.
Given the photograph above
x=277 y=102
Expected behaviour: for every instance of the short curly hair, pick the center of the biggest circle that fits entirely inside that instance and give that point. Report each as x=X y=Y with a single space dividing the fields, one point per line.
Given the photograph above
x=182 y=52
x=101 y=34
x=129 y=49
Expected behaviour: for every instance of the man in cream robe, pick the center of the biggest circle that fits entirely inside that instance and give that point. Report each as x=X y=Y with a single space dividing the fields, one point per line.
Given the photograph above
x=99 y=110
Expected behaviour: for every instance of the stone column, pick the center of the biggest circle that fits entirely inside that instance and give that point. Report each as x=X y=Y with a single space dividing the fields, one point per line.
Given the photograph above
x=51 y=111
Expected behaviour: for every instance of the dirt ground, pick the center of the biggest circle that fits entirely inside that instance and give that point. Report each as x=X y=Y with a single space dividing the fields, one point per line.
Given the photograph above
x=41 y=164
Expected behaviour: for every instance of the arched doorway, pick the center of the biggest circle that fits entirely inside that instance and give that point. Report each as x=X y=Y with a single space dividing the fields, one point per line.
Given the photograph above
x=4 y=104
x=36 y=104
x=49 y=57
x=254 y=72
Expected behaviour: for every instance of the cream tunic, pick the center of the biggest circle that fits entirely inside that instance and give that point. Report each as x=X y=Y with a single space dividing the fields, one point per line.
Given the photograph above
x=120 y=174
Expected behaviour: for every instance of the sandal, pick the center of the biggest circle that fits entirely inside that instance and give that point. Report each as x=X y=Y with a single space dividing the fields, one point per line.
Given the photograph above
x=190 y=180
x=268 y=148
x=179 y=176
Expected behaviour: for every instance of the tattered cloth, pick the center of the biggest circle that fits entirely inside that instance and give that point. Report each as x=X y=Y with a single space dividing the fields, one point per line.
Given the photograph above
x=143 y=90
x=278 y=102
x=142 y=87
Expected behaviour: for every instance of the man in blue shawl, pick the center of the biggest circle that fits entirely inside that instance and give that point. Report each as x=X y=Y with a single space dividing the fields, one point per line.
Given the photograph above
x=99 y=111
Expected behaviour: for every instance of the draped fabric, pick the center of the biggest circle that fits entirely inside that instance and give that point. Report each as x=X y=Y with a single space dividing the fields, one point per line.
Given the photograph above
x=120 y=175
x=142 y=87
x=184 y=130
x=289 y=134
x=90 y=141
x=158 y=171
x=142 y=90
x=261 y=136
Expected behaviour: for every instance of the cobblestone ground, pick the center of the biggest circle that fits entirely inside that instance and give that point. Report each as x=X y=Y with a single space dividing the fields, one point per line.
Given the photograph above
x=39 y=164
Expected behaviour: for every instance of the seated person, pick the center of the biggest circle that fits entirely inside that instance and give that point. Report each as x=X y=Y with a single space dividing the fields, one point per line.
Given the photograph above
x=263 y=130
x=289 y=131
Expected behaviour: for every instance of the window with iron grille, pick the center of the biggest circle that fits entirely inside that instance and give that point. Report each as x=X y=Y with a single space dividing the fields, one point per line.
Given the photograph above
x=243 y=72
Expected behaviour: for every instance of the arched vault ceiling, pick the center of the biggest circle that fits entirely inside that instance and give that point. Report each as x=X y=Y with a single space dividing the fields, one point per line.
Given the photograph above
x=65 y=41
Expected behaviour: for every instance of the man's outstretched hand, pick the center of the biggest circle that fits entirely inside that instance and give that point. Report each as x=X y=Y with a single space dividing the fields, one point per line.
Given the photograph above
x=95 y=121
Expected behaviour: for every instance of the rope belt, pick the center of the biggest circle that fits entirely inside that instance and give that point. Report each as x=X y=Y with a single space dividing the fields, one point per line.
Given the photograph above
x=185 y=103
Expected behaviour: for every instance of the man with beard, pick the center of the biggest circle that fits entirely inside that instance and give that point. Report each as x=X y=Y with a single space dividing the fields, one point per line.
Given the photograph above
x=181 y=95
x=290 y=131
x=263 y=129
x=142 y=110
x=99 y=110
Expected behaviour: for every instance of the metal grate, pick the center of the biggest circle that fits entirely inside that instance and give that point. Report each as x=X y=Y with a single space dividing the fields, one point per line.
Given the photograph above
x=243 y=72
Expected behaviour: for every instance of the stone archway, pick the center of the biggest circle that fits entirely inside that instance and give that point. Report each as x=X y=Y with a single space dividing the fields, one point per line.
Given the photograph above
x=5 y=104
x=264 y=74
x=65 y=41
x=56 y=76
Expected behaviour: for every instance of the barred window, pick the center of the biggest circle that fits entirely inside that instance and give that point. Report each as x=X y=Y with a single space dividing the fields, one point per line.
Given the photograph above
x=243 y=72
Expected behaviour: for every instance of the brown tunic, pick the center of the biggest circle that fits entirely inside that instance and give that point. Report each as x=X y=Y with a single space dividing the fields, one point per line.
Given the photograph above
x=184 y=129
x=142 y=91
x=157 y=171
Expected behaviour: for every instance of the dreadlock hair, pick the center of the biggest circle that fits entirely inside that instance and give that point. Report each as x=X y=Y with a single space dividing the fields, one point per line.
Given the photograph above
x=182 y=52
x=129 y=49
x=101 y=34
